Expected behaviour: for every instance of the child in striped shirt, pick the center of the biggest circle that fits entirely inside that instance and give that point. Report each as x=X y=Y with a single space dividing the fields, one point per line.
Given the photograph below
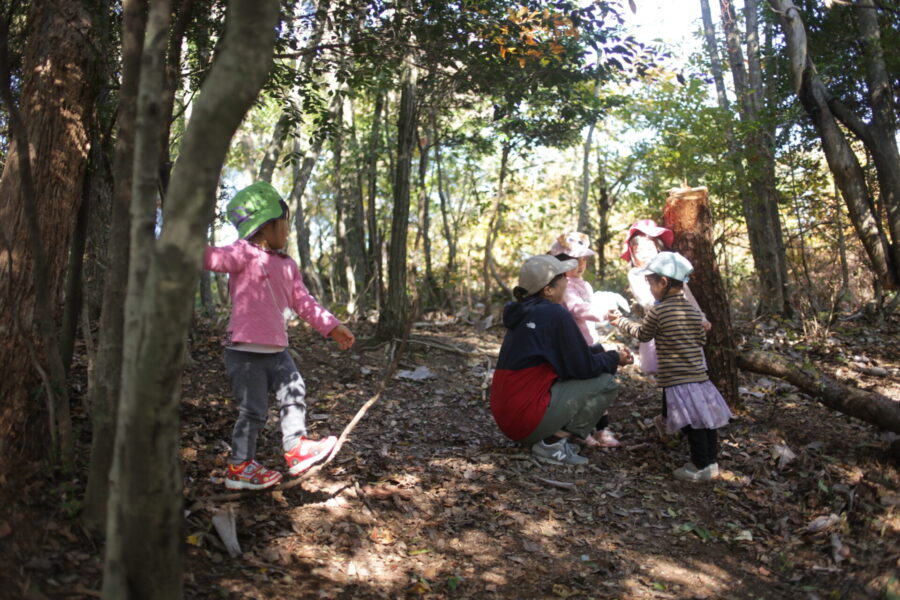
x=693 y=405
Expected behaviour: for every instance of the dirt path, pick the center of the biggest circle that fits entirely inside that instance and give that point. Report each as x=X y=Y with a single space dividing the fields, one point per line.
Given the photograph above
x=428 y=500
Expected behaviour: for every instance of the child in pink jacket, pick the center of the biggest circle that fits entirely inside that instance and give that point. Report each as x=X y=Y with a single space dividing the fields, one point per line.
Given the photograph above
x=265 y=287
x=589 y=308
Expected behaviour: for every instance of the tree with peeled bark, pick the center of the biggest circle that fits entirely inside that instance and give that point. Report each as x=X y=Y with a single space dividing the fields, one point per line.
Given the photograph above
x=688 y=214
x=144 y=538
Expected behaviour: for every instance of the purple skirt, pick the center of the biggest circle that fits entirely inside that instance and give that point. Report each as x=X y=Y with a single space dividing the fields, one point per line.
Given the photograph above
x=699 y=405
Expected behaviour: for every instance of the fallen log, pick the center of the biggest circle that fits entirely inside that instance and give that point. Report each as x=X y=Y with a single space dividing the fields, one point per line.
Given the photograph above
x=871 y=407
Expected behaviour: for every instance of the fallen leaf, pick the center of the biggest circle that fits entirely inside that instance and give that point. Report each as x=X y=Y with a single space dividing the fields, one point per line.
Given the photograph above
x=822 y=523
x=744 y=536
x=5 y=529
x=381 y=535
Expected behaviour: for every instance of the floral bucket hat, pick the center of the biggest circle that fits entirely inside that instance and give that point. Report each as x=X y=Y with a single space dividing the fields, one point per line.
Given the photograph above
x=572 y=243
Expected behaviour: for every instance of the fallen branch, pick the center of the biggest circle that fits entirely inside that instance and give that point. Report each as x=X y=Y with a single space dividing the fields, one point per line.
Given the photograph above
x=870 y=407
x=563 y=485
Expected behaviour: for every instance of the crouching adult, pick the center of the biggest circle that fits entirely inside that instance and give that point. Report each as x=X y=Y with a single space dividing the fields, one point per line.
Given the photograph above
x=549 y=385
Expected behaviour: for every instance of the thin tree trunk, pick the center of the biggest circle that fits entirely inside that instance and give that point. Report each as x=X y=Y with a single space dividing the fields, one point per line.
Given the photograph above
x=58 y=91
x=761 y=207
x=687 y=213
x=339 y=256
x=842 y=244
x=493 y=226
x=74 y=281
x=392 y=321
x=183 y=10
x=374 y=263
x=104 y=394
x=301 y=174
x=273 y=149
x=449 y=238
x=145 y=538
x=356 y=224
x=425 y=218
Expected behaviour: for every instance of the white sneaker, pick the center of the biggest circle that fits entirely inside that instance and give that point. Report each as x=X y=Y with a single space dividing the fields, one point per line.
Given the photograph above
x=691 y=473
x=558 y=453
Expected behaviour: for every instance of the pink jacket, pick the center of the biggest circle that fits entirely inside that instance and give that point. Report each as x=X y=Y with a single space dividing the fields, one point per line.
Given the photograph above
x=578 y=301
x=263 y=286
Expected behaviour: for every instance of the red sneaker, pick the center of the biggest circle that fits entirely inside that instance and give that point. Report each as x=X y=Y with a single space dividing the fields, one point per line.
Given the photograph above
x=250 y=475
x=307 y=453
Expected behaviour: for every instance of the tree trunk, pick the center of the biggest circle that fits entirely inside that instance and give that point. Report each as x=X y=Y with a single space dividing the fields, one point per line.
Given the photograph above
x=392 y=321
x=761 y=206
x=449 y=238
x=374 y=263
x=494 y=225
x=841 y=159
x=74 y=285
x=55 y=105
x=884 y=121
x=273 y=149
x=104 y=394
x=687 y=213
x=339 y=256
x=145 y=539
x=431 y=287
x=301 y=175
x=870 y=407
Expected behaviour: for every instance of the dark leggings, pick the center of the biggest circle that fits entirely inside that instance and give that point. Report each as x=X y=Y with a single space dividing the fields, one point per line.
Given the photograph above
x=703 y=443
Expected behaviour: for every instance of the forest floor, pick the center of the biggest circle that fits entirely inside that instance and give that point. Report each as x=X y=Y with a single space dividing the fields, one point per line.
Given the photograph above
x=427 y=499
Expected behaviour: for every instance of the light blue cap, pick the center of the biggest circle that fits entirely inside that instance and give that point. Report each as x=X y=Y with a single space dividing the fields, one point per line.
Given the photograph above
x=669 y=264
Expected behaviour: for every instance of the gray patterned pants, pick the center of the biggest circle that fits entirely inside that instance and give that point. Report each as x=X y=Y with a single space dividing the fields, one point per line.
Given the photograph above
x=253 y=375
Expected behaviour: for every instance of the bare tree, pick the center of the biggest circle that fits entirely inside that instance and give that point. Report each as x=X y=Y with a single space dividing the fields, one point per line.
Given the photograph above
x=144 y=538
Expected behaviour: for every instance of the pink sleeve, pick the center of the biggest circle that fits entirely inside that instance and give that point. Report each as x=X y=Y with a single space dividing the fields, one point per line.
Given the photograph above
x=580 y=309
x=226 y=259
x=303 y=303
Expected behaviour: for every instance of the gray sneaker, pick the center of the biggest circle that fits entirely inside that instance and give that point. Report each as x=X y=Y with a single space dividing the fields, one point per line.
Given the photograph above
x=558 y=453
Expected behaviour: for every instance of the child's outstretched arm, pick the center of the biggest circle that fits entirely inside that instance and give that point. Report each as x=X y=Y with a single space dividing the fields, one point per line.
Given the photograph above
x=644 y=331
x=343 y=336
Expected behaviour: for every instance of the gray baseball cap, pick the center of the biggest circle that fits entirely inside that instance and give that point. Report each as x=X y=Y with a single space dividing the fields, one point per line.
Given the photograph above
x=538 y=270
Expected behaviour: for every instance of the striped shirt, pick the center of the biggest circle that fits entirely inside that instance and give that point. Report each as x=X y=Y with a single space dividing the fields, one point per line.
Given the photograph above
x=678 y=330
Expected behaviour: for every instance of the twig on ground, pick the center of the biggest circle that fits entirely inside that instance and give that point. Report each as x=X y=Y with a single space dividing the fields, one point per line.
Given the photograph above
x=563 y=485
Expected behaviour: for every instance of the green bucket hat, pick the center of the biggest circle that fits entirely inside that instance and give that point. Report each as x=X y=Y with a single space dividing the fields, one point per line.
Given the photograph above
x=253 y=207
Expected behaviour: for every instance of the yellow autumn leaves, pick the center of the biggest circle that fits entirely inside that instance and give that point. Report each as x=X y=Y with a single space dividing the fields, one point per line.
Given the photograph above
x=534 y=35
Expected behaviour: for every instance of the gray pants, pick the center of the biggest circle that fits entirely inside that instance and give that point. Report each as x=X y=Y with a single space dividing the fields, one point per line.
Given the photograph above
x=575 y=406
x=253 y=376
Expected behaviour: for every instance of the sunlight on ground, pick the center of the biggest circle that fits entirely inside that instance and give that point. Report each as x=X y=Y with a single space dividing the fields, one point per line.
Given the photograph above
x=663 y=573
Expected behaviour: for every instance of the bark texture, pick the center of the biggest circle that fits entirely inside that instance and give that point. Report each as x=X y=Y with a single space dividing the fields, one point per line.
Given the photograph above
x=56 y=100
x=687 y=213
x=144 y=531
x=104 y=394
x=394 y=315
